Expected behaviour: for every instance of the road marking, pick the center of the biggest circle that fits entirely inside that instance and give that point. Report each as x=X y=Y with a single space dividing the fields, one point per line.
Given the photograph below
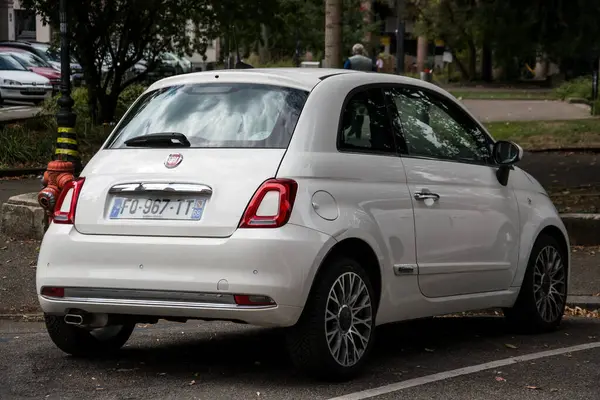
x=423 y=380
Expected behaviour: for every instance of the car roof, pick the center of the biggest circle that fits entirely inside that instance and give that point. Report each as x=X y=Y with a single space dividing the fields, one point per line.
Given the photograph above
x=300 y=78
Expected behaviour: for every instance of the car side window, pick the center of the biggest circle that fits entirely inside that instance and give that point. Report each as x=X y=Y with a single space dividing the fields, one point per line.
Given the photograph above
x=365 y=124
x=435 y=128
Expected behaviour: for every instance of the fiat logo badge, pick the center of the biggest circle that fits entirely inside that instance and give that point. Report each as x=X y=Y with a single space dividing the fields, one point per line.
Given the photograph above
x=174 y=160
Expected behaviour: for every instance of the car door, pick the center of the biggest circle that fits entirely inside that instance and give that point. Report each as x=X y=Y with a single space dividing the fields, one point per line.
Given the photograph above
x=466 y=222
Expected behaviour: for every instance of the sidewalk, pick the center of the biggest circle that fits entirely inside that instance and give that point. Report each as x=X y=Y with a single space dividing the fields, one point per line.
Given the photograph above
x=10 y=188
x=525 y=110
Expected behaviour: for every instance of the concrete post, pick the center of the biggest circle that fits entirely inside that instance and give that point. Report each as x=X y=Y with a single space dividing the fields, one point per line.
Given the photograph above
x=421 y=53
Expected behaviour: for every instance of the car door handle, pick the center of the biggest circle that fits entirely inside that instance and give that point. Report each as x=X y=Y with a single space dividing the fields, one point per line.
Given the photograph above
x=424 y=195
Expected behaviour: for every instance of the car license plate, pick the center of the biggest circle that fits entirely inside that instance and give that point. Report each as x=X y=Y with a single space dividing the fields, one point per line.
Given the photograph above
x=157 y=208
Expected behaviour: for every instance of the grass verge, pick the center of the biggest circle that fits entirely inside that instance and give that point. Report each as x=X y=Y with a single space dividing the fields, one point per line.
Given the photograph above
x=503 y=95
x=549 y=135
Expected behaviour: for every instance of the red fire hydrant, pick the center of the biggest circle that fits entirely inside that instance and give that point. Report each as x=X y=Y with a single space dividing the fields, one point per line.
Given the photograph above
x=57 y=175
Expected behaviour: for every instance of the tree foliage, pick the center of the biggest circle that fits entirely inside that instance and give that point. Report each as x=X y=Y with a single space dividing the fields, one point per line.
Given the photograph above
x=518 y=31
x=109 y=37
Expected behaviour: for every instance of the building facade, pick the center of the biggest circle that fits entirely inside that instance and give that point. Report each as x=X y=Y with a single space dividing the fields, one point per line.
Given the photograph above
x=17 y=23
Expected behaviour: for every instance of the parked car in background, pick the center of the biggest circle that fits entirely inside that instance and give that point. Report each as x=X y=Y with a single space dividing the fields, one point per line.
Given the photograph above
x=48 y=54
x=20 y=84
x=35 y=64
x=180 y=65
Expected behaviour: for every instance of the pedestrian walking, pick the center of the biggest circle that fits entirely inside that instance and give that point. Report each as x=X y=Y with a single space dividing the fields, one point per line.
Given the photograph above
x=359 y=61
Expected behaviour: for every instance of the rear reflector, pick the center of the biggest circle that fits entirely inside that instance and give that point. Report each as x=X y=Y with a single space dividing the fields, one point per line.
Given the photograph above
x=245 y=300
x=271 y=205
x=50 y=291
x=64 y=211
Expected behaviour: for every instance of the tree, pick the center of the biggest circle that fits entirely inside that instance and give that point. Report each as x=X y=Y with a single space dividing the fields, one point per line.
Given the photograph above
x=333 y=33
x=110 y=37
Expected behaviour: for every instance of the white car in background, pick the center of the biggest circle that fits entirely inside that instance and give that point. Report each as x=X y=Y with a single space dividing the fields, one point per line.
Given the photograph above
x=326 y=201
x=19 y=84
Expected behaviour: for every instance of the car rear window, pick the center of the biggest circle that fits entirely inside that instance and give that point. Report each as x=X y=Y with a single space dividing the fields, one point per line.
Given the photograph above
x=223 y=115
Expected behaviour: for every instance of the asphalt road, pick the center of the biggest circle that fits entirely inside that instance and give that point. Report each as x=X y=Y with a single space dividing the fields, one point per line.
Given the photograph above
x=219 y=361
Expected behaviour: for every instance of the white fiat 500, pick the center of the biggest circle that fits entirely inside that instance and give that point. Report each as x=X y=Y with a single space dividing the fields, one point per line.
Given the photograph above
x=326 y=201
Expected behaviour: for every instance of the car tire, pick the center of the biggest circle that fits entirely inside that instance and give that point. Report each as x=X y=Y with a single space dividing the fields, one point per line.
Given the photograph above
x=344 y=325
x=542 y=298
x=80 y=342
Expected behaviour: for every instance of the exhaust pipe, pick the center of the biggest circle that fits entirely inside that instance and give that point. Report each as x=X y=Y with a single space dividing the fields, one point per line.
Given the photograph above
x=74 y=319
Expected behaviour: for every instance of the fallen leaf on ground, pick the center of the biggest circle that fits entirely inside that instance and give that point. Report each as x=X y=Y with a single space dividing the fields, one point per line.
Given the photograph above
x=500 y=379
x=192 y=383
x=554 y=390
x=510 y=346
x=533 y=387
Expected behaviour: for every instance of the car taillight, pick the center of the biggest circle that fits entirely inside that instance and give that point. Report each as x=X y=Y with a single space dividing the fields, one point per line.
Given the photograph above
x=64 y=211
x=51 y=291
x=271 y=205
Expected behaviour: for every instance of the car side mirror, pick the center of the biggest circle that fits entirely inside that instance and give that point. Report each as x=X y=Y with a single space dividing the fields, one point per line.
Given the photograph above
x=506 y=154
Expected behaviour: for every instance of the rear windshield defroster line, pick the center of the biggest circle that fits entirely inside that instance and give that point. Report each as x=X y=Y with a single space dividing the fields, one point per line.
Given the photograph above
x=216 y=115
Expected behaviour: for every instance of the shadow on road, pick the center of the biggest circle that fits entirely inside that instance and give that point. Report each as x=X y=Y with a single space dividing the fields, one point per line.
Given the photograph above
x=410 y=348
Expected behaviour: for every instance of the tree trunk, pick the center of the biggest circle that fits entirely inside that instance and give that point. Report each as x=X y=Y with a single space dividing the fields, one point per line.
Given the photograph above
x=263 y=45
x=333 y=33
x=472 y=60
x=422 y=47
x=108 y=107
x=461 y=67
x=486 y=63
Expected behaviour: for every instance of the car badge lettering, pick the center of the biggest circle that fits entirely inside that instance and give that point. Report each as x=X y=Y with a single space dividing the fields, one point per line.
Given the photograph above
x=174 y=160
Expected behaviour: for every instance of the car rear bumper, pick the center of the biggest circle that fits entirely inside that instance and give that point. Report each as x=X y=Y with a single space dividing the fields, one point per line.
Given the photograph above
x=182 y=277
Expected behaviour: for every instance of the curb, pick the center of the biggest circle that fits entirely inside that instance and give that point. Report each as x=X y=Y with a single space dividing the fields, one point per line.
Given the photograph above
x=589 y=303
x=583 y=229
x=15 y=172
x=593 y=150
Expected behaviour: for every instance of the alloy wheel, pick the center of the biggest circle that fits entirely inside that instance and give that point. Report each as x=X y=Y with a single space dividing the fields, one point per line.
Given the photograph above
x=549 y=284
x=348 y=319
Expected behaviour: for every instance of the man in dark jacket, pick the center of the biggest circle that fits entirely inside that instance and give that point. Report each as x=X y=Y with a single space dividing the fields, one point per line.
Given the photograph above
x=359 y=61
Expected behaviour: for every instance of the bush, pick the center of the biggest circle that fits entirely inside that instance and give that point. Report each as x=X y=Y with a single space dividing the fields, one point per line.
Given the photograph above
x=22 y=146
x=31 y=143
x=580 y=88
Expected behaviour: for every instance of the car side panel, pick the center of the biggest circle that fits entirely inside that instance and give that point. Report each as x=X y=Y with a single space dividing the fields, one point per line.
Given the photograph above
x=372 y=202
x=364 y=197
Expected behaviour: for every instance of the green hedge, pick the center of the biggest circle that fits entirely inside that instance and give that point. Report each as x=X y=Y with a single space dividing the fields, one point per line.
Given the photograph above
x=579 y=88
x=31 y=143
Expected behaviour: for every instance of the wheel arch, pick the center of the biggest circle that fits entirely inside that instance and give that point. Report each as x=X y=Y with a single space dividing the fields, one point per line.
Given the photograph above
x=557 y=234
x=364 y=254
x=552 y=229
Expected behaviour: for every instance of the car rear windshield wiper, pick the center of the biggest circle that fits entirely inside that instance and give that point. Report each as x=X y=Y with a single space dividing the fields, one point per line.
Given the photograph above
x=165 y=139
